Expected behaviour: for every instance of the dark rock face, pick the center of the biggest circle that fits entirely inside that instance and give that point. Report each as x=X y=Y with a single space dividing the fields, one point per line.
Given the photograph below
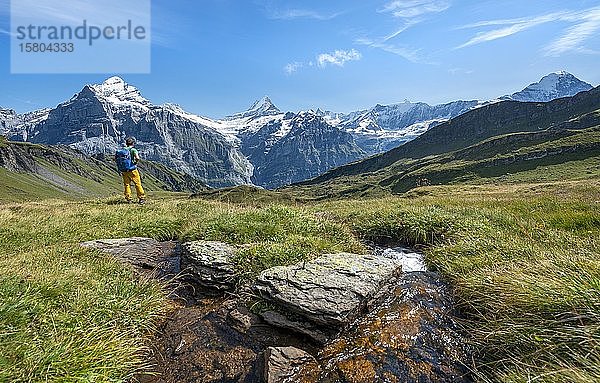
x=210 y=264
x=329 y=291
x=410 y=337
x=296 y=148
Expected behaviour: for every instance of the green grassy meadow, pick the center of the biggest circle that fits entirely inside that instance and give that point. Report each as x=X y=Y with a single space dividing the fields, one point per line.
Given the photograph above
x=523 y=261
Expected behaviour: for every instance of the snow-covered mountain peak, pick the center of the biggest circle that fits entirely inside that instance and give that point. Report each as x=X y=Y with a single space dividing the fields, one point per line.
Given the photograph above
x=260 y=108
x=552 y=86
x=116 y=90
x=264 y=103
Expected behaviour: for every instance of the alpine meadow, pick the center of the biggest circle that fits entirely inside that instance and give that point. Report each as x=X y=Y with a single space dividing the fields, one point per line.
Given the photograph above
x=306 y=240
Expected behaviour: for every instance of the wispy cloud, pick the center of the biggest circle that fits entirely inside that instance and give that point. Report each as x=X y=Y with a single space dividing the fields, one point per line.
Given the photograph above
x=292 y=68
x=587 y=23
x=510 y=27
x=291 y=14
x=411 y=55
x=339 y=57
x=408 y=13
x=414 y=8
x=6 y=32
x=575 y=36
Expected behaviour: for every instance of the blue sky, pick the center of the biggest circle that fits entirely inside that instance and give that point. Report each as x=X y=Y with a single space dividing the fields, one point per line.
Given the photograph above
x=214 y=57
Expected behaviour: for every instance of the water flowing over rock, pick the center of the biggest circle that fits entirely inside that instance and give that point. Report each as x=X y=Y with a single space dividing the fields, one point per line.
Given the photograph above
x=209 y=264
x=329 y=291
x=410 y=337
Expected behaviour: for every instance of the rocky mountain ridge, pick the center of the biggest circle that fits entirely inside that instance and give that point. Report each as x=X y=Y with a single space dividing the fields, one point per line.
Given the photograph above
x=262 y=145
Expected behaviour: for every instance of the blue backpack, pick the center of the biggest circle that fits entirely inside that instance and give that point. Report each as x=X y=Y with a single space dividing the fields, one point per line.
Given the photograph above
x=124 y=160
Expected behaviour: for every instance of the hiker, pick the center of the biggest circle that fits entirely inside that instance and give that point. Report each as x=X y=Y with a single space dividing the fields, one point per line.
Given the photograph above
x=127 y=159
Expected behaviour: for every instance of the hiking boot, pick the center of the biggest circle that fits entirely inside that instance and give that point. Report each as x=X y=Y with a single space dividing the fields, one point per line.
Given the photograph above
x=142 y=201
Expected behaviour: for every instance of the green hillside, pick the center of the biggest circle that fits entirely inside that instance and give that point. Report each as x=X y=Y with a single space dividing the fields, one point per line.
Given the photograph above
x=505 y=142
x=31 y=172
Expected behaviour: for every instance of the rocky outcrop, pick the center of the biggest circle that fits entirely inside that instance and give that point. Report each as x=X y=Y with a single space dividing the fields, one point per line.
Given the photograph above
x=8 y=119
x=209 y=264
x=409 y=334
x=329 y=291
x=283 y=363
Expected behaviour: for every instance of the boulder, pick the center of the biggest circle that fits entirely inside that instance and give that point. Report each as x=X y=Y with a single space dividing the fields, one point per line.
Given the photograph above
x=282 y=364
x=209 y=264
x=329 y=291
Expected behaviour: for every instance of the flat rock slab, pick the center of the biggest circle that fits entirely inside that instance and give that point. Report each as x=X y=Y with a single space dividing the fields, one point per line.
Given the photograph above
x=209 y=264
x=144 y=254
x=329 y=291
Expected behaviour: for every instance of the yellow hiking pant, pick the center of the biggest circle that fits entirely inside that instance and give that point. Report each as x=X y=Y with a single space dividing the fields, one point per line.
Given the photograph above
x=128 y=178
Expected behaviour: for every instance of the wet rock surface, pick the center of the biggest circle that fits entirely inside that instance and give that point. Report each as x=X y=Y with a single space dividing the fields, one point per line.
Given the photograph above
x=329 y=291
x=283 y=363
x=208 y=264
x=200 y=344
x=410 y=337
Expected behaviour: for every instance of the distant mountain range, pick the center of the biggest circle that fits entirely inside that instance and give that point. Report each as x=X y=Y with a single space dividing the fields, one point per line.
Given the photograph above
x=555 y=140
x=262 y=145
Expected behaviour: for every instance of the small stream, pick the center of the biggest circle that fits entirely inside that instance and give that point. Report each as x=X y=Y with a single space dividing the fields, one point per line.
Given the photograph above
x=411 y=260
x=408 y=333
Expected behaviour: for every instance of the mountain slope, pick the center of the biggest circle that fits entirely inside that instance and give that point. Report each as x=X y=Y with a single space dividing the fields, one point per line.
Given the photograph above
x=287 y=147
x=218 y=152
x=30 y=171
x=498 y=133
x=100 y=117
x=384 y=127
x=306 y=147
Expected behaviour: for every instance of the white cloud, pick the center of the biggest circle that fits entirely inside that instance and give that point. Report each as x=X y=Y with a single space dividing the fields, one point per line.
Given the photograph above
x=575 y=36
x=587 y=23
x=291 y=68
x=6 y=32
x=291 y=14
x=414 y=8
x=511 y=27
x=339 y=57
